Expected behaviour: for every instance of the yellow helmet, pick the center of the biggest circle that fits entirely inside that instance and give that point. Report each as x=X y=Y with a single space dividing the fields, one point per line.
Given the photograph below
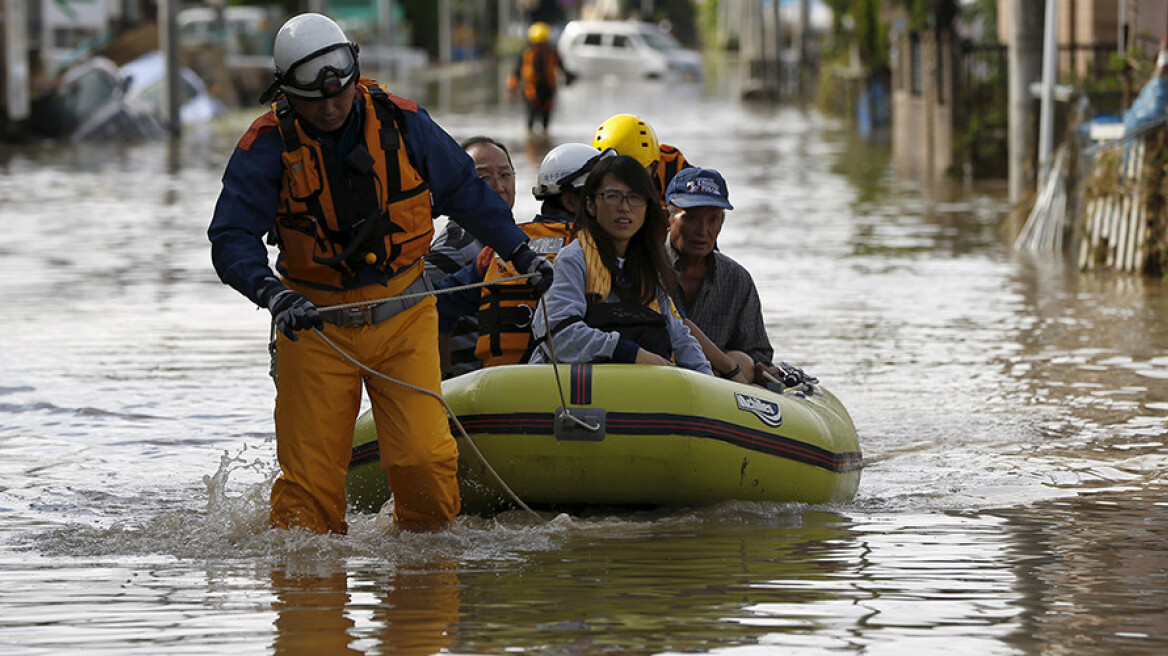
x=539 y=32
x=629 y=135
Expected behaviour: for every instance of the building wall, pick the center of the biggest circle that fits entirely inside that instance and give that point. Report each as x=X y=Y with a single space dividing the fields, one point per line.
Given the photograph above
x=1097 y=21
x=923 y=105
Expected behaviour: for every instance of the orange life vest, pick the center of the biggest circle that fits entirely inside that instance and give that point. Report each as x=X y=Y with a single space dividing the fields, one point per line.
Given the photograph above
x=537 y=70
x=668 y=164
x=380 y=219
x=506 y=309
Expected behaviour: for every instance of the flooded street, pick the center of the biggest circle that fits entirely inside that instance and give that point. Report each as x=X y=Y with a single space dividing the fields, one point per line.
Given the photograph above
x=1012 y=415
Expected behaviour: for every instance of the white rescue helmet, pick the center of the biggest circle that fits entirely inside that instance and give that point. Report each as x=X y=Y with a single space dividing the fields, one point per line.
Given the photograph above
x=313 y=58
x=566 y=167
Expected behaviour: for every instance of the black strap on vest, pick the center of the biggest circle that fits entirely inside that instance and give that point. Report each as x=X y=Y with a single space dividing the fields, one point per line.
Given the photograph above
x=291 y=138
x=536 y=342
x=362 y=224
x=635 y=322
x=495 y=319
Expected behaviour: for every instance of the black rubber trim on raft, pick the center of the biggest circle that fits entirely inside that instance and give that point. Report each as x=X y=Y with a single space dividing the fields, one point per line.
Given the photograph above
x=636 y=423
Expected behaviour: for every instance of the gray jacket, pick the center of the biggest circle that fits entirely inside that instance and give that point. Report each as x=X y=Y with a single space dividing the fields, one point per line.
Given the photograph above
x=579 y=342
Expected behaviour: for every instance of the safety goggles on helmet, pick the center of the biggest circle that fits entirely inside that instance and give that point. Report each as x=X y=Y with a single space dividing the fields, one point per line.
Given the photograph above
x=321 y=74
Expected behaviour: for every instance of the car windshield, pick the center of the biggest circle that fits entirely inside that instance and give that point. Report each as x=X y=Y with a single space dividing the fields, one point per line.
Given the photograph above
x=660 y=40
x=90 y=91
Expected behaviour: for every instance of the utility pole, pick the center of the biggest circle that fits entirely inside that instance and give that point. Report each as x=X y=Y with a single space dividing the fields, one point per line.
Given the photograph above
x=1121 y=37
x=777 y=77
x=1046 y=104
x=445 y=43
x=169 y=44
x=804 y=31
x=15 y=53
x=1025 y=67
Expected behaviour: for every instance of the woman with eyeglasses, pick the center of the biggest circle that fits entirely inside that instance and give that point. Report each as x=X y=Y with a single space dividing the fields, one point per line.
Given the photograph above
x=607 y=302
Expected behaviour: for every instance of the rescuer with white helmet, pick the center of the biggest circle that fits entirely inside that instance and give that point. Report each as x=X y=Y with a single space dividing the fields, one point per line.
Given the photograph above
x=345 y=179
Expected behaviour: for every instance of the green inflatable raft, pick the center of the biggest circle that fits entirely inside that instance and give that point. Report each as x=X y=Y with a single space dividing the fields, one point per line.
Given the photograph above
x=638 y=436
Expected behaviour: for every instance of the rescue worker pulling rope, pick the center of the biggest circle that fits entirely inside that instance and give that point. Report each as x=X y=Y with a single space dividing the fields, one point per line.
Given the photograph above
x=344 y=178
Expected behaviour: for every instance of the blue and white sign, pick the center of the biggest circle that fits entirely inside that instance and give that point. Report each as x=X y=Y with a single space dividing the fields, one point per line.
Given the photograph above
x=767 y=411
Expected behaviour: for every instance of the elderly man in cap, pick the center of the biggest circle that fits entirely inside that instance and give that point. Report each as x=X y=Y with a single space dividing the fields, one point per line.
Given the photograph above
x=716 y=293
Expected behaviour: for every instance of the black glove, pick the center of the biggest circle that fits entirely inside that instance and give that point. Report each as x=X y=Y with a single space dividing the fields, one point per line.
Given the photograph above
x=569 y=78
x=290 y=311
x=527 y=262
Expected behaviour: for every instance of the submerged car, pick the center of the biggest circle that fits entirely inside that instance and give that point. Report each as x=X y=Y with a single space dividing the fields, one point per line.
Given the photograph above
x=145 y=77
x=90 y=103
x=96 y=100
x=626 y=48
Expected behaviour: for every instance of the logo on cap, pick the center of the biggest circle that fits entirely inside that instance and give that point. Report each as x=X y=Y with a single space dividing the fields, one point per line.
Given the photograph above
x=703 y=186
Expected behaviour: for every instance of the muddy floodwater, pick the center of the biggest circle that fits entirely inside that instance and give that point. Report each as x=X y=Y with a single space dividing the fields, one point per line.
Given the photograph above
x=1012 y=414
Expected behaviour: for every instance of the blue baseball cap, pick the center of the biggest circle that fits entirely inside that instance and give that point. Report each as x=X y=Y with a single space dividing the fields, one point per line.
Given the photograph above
x=695 y=187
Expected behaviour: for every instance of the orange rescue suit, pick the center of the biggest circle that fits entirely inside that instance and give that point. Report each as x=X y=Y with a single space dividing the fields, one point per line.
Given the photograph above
x=339 y=224
x=537 y=70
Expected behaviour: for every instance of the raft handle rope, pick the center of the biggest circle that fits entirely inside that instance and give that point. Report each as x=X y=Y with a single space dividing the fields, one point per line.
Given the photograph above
x=449 y=412
x=564 y=415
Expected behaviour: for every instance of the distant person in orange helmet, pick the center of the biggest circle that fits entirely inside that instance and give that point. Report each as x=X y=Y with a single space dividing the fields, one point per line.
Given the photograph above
x=633 y=136
x=537 y=70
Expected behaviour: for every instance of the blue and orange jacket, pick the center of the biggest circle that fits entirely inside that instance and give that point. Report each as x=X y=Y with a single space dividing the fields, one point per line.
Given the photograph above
x=259 y=190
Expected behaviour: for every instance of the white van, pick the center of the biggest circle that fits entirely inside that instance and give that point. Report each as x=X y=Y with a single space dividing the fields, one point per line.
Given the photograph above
x=624 y=48
x=246 y=30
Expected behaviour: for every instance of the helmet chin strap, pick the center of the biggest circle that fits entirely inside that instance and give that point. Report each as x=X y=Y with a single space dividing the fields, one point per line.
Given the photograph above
x=272 y=91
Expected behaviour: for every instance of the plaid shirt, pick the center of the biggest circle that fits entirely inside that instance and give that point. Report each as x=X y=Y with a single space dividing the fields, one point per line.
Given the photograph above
x=726 y=306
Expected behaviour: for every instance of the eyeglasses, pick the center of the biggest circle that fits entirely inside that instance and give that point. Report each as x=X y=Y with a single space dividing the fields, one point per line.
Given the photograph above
x=506 y=177
x=613 y=198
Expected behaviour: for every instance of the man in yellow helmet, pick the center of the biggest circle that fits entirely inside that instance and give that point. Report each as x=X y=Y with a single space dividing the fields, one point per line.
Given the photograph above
x=537 y=70
x=631 y=135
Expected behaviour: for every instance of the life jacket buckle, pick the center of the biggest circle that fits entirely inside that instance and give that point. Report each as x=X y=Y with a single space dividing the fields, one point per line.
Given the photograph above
x=355 y=316
x=526 y=323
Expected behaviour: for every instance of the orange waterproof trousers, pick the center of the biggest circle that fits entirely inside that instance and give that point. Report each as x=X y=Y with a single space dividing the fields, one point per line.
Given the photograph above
x=319 y=396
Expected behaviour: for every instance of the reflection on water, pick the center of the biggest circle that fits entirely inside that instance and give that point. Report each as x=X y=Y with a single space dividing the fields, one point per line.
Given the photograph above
x=1096 y=569
x=338 y=613
x=1012 y=415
